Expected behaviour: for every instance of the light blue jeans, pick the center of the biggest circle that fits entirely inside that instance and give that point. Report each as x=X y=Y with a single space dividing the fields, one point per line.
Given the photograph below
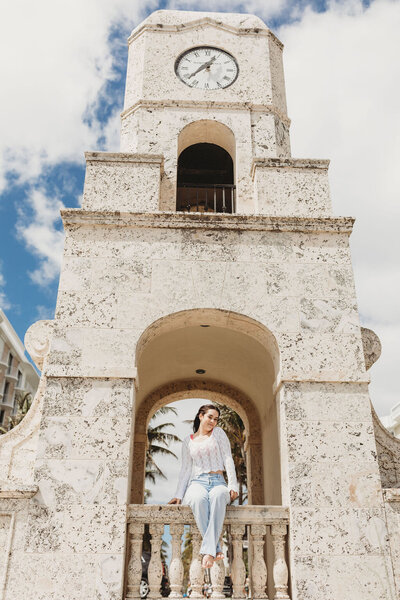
x=208 y=496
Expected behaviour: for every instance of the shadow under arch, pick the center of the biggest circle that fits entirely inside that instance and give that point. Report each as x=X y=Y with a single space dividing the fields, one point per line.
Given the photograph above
x=242 y=360
x=211 y=317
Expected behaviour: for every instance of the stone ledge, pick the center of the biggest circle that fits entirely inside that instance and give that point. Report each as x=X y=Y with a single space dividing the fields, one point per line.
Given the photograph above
x=291 y=163
x=168 y=513
x=123 y=157
x=175 y=220
x=14 y=491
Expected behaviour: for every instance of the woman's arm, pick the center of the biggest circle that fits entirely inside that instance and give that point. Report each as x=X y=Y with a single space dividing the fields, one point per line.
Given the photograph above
x=229 y=465
x=184 y=475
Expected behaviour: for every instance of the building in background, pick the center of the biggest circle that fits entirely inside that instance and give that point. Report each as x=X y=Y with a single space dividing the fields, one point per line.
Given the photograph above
x=16 y=373
x=392 y=420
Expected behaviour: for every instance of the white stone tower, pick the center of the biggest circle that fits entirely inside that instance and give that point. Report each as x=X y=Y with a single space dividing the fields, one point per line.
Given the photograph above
x=205 y=261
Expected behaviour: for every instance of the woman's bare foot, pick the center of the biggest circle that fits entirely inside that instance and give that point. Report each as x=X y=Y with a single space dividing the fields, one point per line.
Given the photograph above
x=207 y=561
x=219 y=556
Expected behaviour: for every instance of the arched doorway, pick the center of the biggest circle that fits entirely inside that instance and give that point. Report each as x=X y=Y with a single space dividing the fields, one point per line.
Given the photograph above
x=222 y=357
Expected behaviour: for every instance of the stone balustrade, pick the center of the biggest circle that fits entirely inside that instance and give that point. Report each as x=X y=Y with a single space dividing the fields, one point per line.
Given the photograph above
x=252 y=523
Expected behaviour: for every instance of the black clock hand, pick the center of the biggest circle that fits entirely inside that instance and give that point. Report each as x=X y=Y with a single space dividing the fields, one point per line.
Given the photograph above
x=204 y=66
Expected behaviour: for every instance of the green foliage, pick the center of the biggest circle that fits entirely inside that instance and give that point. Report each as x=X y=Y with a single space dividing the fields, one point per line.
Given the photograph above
x=24 y=401
x=234 y=428
x=158 y=442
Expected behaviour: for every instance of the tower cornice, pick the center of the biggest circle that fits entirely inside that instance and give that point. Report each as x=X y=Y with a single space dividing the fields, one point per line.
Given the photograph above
x=181 y=220
x=206 y=105
x=197 y=23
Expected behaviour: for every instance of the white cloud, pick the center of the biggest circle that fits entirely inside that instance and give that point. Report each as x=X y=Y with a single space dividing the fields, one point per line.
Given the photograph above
x=343 y=87
x=59 y=58
x=4 y=303
x=37 y=227
x=265 y=10
x=44 y=312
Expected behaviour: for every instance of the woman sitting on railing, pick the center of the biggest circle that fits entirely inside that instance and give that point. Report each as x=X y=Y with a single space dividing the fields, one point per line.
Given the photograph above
x=205 y=455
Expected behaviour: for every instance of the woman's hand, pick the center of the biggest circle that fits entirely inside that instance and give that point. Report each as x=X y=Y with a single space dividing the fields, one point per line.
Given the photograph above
x=175 y=501
x=234 y=495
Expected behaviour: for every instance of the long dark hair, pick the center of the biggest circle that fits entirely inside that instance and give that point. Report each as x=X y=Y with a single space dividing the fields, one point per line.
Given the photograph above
x=202 y=411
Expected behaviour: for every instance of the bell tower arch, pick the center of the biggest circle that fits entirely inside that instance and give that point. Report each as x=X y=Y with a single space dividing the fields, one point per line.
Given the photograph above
x=206 y=168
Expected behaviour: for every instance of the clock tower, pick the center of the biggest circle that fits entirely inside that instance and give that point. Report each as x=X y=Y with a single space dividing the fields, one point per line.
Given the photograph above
x=205 y=262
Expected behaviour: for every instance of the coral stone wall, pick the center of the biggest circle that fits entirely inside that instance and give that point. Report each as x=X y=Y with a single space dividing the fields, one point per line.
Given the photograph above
x=340 y=538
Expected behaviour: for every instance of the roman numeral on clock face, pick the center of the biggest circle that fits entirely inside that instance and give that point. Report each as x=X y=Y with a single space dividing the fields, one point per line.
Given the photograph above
x=206 y=68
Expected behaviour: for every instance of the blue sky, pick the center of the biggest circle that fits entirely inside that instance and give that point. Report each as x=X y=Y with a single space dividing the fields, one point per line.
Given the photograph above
x=63 y=85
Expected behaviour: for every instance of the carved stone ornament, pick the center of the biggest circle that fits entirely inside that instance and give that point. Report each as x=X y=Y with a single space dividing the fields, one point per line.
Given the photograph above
x=37 y=341
x=371 y=345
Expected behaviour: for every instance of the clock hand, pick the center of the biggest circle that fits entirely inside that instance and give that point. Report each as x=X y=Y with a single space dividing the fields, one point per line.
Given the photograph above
x=203 y=66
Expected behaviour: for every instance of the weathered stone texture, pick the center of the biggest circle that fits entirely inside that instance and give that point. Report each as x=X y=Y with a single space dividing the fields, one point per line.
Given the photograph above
x=388 y=454
x=82 y=471
x=275 y=278
x=338 y=514
x=310 y=308
x=296 y=187
x=123 y=182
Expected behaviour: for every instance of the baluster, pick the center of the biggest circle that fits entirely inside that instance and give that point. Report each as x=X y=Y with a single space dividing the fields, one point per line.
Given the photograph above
x=196 y=572
x=155 y=565
x=280 y=569
x=218 y=579
x=134 y=574
x=238 y=568
x=215 y=199
x=258 y=566
x=223 y=200
x=176 y=565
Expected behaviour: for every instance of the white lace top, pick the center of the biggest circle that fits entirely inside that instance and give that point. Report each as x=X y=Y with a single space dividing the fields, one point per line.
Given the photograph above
x=211 y=454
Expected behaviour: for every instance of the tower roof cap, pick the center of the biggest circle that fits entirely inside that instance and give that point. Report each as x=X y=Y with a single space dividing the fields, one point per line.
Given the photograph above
x=180 y=19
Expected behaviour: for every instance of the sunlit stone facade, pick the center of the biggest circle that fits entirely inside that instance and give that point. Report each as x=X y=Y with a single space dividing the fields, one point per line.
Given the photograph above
x=261 y=299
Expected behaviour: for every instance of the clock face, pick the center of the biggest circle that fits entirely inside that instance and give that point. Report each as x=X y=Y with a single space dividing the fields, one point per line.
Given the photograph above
x=206 y=68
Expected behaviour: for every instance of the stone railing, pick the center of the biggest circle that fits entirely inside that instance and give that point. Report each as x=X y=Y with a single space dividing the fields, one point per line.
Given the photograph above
x=251 y=522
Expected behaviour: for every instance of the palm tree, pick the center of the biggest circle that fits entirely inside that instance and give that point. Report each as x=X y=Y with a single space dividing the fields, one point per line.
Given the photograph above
x=158 y=442
x=234 y=428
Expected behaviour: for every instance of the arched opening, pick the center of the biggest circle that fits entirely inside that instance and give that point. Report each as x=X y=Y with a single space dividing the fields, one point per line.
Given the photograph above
x=215 y=355
x=205 y=179
x=205 y=173
x=168 y=427
x=238 y=363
